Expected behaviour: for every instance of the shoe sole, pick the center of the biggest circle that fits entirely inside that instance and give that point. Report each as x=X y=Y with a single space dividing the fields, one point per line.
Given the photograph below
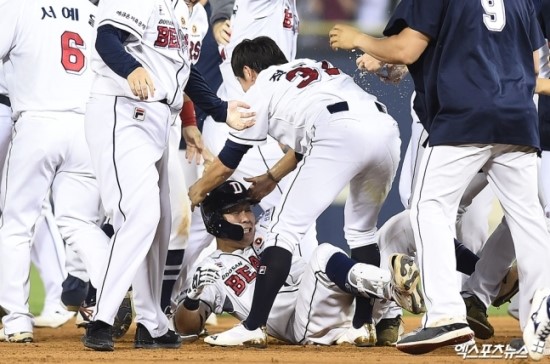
x=143 y=345
x=452 y=338
x=499 y=301
x=410 y=284
x=248 y=344
x=481 y=331
x=97 y=346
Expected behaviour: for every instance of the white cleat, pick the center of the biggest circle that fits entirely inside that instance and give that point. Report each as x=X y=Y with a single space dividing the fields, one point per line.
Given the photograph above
x=53 y=319
x=239 y=336
x=365 y=336
x=2 y=335
x=407 y=290
x=537 y=329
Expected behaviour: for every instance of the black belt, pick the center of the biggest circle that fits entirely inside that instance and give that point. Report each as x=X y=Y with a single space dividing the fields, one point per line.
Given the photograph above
x=4 y=100
x=343 y=106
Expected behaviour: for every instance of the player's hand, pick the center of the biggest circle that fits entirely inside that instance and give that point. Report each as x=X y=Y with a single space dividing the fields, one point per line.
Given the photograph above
x=141 y=83
x=196 y=194
x=203 y=277
x=260 y=187
x=238 y=119
x=222 y=31
x=193 y=139
x=367 y=63
x=343 y=36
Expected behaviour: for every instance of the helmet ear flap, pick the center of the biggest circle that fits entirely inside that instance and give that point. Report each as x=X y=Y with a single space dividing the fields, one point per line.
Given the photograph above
x=219 y=227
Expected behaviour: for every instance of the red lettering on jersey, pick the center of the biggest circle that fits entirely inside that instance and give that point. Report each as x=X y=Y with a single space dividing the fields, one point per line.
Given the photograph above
x=246 y=273
x=288 y=19
x=308 y=74
x=236 y=284
x=167 y=37
x=195 y=51
x=255 y=262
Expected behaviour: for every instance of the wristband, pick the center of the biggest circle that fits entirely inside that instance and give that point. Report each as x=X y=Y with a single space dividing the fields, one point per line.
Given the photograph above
x=271 y=176
x=190 y=304
x=187 y=114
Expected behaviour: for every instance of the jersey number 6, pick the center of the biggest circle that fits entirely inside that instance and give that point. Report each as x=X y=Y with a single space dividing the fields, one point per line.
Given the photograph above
x=72 y=58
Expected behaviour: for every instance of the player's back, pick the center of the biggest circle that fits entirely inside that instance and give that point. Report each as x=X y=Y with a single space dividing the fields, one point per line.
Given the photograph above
x=481 y=80
x=276 y=19
x=197 y=27
x=299 y=93
x=49 y=45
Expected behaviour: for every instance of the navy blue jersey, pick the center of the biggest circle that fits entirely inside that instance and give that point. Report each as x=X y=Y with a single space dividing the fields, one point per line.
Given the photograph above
x=544 y=101
x=479 y=79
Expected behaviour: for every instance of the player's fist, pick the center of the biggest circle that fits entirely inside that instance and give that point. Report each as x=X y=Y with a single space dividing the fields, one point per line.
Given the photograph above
x=367 y=63
x=222 y=31
x=237 y=118
x=203 y=277
x=141 y=83
x=260 y=187
x=343 y=37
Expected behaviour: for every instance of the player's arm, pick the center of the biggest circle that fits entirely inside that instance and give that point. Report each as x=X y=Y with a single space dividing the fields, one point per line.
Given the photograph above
x=262 y=185
x=221 y=111
x=218 y=171
x=403 y=48
x=221 y=26
x=110 y=47
x=543 y=86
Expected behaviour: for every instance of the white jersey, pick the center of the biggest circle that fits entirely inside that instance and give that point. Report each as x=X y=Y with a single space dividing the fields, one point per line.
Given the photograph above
x=3 y=84
x=65 y=28
x=157 y=41
x=196 y=28
x=288 y=99
x=277 y=19
x=234 y=290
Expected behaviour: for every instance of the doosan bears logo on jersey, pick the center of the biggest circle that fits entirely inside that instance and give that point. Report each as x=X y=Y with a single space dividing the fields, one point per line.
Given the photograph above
x=139 y=114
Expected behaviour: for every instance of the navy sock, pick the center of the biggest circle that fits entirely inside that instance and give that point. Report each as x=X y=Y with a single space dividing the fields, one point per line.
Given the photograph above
x=274 y=268
x=171 y=273
x=369 y=254
x=337 y=269
x=465 y=259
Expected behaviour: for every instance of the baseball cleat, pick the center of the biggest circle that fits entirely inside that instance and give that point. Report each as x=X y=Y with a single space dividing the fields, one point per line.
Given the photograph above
x=427 y=339
x=365 y=336
x=389 y=331
x=123 y=318
x=98 y=336
x=537 y=329
x=406 y=287
x=20 y=337
x=476 y=315
x=240 y=336
x=2 y=334
x=53 y=319
x=508 y=287
x=144 y=340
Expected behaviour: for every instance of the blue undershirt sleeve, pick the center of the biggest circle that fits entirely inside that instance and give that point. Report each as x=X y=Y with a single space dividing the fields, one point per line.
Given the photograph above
x=110 y=46
x=232 y=153
x=202 y=96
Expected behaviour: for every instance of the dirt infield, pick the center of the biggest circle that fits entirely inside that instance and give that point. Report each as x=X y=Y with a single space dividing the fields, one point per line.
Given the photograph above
x=63 y=345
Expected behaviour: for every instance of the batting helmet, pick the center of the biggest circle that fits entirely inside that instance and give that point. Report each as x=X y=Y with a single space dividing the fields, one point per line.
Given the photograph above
x=221 y=198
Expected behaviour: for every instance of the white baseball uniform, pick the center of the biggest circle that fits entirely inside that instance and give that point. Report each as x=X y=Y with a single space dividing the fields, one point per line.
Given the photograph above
x=46 y=47
x=278 y=20
x=128 y=142
x=309 y=308
x=6 y=122
x=320 y=112
x=195 y=29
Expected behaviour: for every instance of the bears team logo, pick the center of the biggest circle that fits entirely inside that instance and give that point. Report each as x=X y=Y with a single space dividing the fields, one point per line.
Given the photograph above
x=182 y=20
x=139 y=114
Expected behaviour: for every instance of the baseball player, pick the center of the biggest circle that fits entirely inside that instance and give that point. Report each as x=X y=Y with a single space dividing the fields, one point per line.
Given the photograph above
x=499 y=138
x=6 y=123
x=278 y=20
x=141 y=65
x=317 y=297
x=313 y=108
x=47 y=149
x=195 y=27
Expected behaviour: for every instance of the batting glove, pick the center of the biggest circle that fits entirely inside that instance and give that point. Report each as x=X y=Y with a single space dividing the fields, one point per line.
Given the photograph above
x=203 y=277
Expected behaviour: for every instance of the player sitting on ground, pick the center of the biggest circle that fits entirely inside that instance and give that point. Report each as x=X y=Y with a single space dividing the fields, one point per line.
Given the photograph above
x=317 y=296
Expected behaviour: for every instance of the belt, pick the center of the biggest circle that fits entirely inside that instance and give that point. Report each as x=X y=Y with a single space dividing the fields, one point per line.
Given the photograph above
x=343 y=106
x=4 y=100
